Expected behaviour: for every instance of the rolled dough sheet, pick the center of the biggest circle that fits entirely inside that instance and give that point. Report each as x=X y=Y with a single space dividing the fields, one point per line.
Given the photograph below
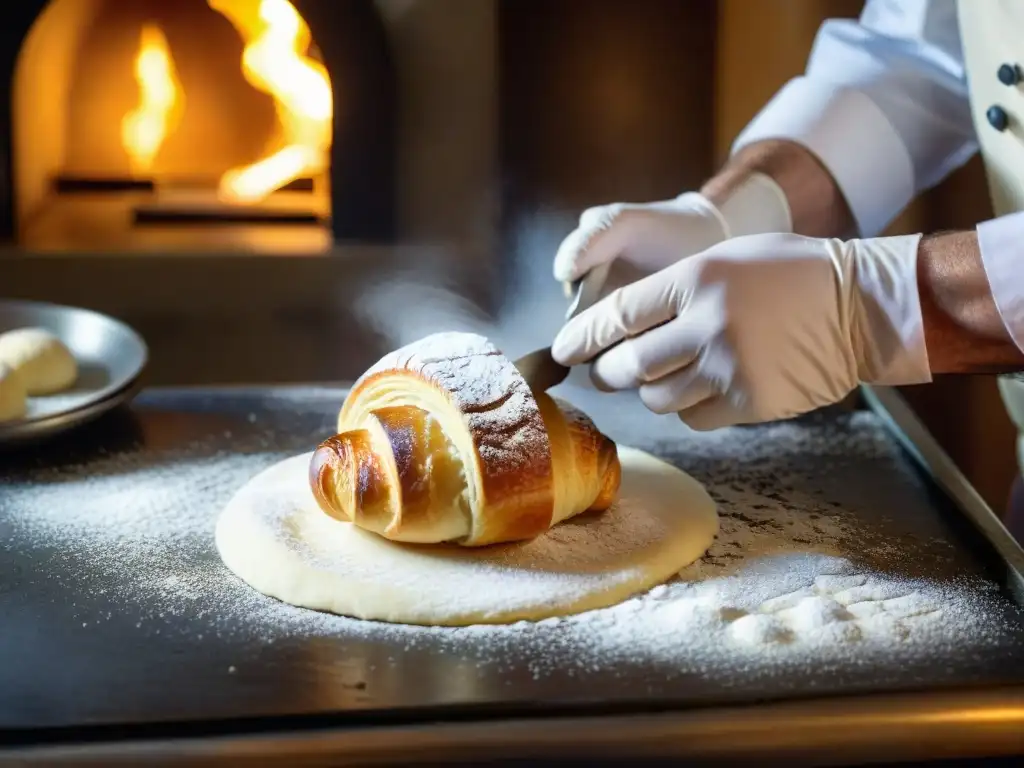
x=274 y=537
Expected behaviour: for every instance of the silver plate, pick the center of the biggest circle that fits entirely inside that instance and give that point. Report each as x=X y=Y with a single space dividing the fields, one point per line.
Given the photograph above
x=110 y=355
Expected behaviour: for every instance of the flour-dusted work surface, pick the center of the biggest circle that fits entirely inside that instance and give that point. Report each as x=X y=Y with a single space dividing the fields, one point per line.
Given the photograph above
x=836 y=570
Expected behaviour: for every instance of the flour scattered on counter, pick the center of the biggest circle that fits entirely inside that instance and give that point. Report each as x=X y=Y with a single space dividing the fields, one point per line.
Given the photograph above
x=794 y=578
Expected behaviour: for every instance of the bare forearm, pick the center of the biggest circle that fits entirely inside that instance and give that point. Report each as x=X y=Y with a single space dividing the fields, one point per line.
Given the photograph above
x=963 y=330
x=816 y=204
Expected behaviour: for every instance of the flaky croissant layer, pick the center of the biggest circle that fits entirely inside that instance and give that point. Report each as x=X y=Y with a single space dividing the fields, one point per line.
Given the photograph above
x=399 y=474
x=427 y=451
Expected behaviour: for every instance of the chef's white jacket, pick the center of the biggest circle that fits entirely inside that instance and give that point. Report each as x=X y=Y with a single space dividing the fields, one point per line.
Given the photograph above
x=884 y=105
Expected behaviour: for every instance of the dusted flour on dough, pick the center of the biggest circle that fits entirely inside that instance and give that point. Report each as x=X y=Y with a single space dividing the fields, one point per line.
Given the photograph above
x=273 y=535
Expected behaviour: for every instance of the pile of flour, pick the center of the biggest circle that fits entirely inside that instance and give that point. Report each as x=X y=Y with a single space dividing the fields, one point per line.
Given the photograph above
x=794 y=577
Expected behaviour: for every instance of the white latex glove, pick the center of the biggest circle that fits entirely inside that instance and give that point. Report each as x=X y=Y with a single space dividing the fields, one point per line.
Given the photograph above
x=635 y=240
x=758 y=328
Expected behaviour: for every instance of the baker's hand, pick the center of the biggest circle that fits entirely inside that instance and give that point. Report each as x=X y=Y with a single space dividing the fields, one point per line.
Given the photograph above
x=634 y=240
x=758 y=328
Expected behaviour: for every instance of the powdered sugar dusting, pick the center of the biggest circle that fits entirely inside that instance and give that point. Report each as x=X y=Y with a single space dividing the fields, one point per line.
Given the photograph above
x=479 y=378
x=484 y=384
x=830 y=560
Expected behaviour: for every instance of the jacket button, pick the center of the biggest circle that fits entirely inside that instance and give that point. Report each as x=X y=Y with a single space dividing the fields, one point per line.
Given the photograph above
x=1009 y=74
x=997 y=118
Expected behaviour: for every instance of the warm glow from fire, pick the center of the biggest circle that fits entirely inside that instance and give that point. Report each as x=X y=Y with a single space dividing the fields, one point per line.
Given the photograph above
x=275 y=61
x=144 y=129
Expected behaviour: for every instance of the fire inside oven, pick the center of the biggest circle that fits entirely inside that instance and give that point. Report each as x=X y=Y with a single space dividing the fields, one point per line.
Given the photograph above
x=197 y=123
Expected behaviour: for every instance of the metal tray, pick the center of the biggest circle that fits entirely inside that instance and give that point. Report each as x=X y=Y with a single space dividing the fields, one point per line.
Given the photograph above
x=195 y=669
x=110 y=355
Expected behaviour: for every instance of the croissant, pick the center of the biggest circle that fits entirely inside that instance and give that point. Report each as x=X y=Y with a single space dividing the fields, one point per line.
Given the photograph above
x=444 y=441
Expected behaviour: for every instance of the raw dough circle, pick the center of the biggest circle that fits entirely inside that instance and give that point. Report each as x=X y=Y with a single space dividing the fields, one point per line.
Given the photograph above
x=273 y=536
x=13 y=398
x=42 y=360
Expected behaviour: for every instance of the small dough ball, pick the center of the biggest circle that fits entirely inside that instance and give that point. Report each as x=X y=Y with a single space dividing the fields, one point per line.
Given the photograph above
x=13 y=398
x=43 y=362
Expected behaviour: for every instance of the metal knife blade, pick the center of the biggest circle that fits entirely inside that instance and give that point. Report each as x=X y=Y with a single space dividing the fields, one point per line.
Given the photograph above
x=586 y=290
x=538 y=367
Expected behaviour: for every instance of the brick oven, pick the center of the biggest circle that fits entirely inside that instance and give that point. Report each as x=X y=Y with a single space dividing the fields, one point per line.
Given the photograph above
x=127 y=117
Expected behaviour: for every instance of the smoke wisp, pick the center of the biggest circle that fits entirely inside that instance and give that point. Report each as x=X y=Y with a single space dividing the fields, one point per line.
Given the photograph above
x=414 y=302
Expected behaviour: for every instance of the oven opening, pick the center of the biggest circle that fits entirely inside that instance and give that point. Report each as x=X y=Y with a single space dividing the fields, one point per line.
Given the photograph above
x=194 y=125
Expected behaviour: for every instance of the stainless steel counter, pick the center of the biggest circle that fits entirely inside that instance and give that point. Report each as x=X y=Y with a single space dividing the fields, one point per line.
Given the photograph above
x=144 y=647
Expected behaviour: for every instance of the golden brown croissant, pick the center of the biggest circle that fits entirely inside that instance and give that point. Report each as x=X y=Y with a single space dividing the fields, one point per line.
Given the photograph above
x=444 y=441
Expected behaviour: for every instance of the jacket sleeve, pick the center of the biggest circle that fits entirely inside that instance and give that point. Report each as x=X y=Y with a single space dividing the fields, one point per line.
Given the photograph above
x=1001 y=241
x=883 y=104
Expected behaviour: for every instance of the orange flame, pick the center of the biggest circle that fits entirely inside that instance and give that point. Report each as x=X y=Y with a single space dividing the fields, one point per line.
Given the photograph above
x=144 y=129
x=275 y=61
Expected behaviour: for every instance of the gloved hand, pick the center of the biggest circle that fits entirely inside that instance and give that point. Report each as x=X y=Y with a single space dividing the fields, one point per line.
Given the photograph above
x=635 y=240
x=758 y=328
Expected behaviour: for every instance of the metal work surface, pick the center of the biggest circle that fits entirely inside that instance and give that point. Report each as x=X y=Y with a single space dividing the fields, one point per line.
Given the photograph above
x=117 y=611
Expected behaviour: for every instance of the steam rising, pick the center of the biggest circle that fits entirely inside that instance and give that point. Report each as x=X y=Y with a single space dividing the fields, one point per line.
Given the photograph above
x=415 y=302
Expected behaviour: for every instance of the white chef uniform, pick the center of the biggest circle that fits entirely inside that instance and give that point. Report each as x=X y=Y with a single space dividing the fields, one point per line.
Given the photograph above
x=894 y=101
